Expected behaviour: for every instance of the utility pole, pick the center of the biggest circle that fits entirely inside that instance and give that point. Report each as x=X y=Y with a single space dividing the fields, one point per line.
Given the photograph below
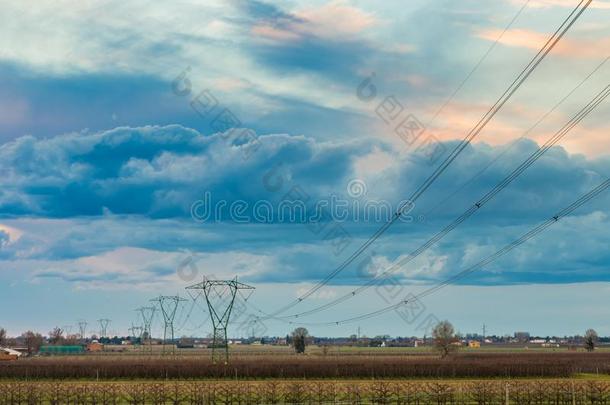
x=104 y=327
x=168 y=306
x=220 y=297
x=484 y=332
x=147 y=314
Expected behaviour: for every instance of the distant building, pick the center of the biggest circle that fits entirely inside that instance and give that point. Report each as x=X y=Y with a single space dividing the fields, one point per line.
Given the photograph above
x=95 y=346
x=9 y=354
x=522 y=336
x=550 y=345
x=475 y=344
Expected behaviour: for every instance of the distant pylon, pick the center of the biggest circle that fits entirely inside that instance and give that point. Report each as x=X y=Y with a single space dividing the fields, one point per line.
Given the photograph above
x=82 y=328
x=104 y=327
x=168 y=306
x=147 y=314
x=67 y=329
x=220 y=297
x=136 y=332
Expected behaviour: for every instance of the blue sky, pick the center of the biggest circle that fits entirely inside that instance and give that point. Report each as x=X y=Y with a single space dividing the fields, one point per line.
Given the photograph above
x=106 y=143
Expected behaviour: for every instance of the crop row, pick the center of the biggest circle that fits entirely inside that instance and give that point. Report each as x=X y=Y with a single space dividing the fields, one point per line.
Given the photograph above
x=536 y=392
x=332 y=367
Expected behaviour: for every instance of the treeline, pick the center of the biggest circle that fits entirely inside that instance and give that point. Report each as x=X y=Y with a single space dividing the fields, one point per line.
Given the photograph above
x=335 y=367
x=568 y=392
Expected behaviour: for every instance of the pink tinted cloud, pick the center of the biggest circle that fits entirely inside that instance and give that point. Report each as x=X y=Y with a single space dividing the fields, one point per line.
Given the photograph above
x=520 y=38
x=561 y=3
x=336 y=17
x=330 y=20
x=273 y=33
x=457 y=119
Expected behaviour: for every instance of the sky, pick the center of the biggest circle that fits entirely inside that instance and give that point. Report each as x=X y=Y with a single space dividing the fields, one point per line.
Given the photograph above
x=146 y=146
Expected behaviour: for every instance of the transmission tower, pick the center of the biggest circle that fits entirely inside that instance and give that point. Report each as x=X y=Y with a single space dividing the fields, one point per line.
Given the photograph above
x=82 y=328
x=168 y=306
x=67 y=329
x=104 y=327
x=220 y=297
x=147 y=314
x=136 y=332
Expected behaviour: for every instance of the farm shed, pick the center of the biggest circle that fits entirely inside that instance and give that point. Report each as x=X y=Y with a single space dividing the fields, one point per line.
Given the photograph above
x=9 y=354
x=95 y=346
x=61 y=350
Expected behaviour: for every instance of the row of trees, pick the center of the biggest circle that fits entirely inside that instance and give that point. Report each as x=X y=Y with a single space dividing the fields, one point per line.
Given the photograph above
x=443 y=334
x=32 y=340
x=445 y=340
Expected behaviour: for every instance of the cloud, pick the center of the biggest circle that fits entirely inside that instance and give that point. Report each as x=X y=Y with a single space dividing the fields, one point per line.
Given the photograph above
x=569 y=48
x=561 y=3
x=159 y=172
x=329 y=21
x=129 y=267
x=5 y=238
x=113 y=207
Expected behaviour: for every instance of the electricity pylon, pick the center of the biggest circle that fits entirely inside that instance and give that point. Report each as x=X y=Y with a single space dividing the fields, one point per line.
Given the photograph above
x=147 y=314
x=136 y=332
x=104 y=326
x=67 y=329
x=82 y=328
x=168 y=306
x=220 y=297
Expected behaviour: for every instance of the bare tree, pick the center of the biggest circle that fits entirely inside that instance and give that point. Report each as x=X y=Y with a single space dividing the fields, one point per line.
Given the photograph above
x=70 y=339
x=590 y=339
x=444 y=338
x=2 y=336
x=299 y=339
x=32 y=341
x=56 y=336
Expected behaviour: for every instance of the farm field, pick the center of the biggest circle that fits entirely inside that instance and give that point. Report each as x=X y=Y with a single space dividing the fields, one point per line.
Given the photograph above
x=523 y=391
x=330 y=366
x=256 y=377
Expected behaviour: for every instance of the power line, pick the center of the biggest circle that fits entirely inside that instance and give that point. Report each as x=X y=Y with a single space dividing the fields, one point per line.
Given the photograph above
x=600 y=97
x=515 y=141
x=476 y=67
x=489 y=259
x=514 y=86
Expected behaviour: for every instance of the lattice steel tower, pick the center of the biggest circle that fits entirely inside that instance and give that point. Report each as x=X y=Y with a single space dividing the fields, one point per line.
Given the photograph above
x=168 y=306
x=104 y=327
x=136 y=331
x=147 y=314
x=220 y=297
x=82 y=328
